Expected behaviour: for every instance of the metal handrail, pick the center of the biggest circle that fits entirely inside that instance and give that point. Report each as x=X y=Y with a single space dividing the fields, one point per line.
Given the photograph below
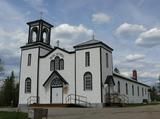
x=77 y=99
x=122 y=97
x=32 y=100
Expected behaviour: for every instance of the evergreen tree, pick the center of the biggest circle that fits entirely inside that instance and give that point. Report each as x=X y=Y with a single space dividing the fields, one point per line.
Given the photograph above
x=9 y=90
x=153 y=94
x=1 y=66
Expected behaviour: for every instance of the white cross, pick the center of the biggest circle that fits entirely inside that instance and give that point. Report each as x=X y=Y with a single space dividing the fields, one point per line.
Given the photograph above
x=41 y=14
x=93 y=37
x=57 y=43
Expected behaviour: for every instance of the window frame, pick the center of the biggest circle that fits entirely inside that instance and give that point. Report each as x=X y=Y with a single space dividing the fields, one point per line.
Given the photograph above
x=57 y=63
x=132 y=90
x=107 y=63
x=118 y=87
x=138 y=90
x=61 y=64
x=87 y=59
x=29 y=60
x=28 y=85
x=126 y=88
x=88 y=87
x=142 y=91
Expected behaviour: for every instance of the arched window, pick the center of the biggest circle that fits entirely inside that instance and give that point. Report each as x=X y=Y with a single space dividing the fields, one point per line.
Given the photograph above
x=119 y=87
x=132 y=90
x=52 y=65
x=61 y=64
x=45 y=35
x=56 y=83
x=57 y=60
x=126 y=88
x=87 y=81
x=34 y=34
x=57 y=64
x=28 y=85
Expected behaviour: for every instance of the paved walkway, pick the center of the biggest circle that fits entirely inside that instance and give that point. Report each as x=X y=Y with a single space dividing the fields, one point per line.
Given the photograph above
x=142 y=112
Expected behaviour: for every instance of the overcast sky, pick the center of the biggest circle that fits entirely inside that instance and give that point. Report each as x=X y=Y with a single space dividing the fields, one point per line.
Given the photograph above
x=130 y=27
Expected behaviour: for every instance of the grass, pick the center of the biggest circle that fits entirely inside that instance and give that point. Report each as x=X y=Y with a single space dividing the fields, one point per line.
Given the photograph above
x=13 y=115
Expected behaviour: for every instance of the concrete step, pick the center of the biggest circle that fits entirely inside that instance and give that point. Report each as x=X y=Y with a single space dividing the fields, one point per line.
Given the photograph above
x=54 y=105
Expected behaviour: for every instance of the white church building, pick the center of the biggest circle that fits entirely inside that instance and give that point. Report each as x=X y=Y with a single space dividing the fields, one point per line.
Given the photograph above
x=52 y=75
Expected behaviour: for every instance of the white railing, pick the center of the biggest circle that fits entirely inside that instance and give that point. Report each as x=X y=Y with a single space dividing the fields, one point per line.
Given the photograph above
x=117 y=98
x=32 y=100
x=77 y=99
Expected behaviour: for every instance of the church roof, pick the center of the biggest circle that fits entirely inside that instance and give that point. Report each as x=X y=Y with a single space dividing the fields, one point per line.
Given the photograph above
x=109 y=80
x=127 y=78
x=55 y=73
x=92 y=42
x=39 y=21
x=88 y=42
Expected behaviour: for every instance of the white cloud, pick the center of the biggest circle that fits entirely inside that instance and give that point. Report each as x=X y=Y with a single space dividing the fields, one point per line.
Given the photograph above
x=129 y=30
x=8 y=12
x=149 y=74
x=68 y=35
x=134 y=57
x=38 y=5
x=149 y=38
x=10 y=47
x=100 y=18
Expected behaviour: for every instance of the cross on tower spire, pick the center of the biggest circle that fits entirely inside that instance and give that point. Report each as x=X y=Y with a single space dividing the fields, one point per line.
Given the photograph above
x=57 y=43
x=93 y=36
x=41 y=14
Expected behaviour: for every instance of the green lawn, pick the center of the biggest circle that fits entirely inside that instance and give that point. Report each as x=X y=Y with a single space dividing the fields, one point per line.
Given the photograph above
x=13 y=115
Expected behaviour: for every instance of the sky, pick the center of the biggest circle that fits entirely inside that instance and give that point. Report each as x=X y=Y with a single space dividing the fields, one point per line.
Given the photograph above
x=130 y=27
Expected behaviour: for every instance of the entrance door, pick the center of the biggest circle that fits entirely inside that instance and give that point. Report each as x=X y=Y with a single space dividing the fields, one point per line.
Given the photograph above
x=57 y=95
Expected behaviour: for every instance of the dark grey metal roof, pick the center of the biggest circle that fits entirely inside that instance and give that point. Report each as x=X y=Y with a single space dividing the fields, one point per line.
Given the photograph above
x=57 y=74
x=92 y=42
x=128 y=78
x=109 y=80
x=88 y=42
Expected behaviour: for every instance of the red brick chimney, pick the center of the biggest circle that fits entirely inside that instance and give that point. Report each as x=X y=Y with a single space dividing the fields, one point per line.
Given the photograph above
x=134 y=75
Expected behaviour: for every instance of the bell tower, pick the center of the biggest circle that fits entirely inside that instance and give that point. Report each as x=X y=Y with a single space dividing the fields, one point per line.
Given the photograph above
x=39 y=31
x=38 y=45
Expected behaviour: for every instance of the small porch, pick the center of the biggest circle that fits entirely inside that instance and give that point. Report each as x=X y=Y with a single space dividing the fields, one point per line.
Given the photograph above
x=111 y=96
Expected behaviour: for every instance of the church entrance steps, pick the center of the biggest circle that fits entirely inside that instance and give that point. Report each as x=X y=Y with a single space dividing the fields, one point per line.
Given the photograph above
x=53 y=105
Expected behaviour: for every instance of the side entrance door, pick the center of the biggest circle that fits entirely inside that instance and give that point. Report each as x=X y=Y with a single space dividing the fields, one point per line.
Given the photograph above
x=57 y=95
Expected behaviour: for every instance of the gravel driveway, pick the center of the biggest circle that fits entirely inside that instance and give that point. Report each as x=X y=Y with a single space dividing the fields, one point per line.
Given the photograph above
x=141 y=112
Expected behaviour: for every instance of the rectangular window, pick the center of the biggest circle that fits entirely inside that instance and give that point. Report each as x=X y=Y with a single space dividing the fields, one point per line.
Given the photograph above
x=132 y=90
x=87 y=59
x=107 y=60
x=142 y=92
x=126 y=88
x=138 y=90
x=29 y=60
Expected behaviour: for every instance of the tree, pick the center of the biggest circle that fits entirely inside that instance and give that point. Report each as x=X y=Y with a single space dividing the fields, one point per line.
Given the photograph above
x=158 y=84
x=10 y=91
x=153 y=94
x=1 y=66
x=16 y=95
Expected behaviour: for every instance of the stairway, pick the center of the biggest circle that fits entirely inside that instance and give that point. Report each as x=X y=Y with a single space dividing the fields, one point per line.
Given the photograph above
x=53 y=105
